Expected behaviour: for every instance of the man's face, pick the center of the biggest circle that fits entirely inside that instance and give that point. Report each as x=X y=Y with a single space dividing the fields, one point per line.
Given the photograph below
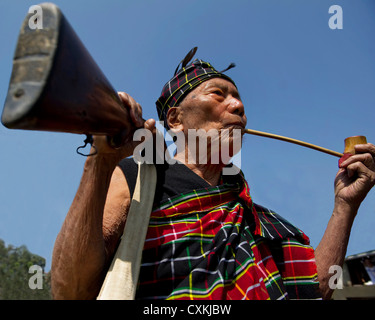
x=214 y=104
x=216 y=107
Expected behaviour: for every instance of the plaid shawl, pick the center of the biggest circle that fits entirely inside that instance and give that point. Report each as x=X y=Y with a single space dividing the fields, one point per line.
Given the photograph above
x=215 y=243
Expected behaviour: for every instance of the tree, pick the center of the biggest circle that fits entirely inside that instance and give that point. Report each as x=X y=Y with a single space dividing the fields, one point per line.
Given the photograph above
x=14 y=274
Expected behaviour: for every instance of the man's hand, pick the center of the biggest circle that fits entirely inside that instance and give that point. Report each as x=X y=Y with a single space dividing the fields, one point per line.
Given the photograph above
x=128 y=145
x=356 y=177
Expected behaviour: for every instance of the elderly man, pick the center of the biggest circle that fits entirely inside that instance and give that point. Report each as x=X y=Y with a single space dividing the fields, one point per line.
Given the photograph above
x=206 y=238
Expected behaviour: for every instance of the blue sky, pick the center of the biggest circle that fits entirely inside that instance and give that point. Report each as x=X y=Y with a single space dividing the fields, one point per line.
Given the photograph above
x=296 y=76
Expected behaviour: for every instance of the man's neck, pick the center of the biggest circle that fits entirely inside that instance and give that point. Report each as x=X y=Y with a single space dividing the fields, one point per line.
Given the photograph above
x=211 y=173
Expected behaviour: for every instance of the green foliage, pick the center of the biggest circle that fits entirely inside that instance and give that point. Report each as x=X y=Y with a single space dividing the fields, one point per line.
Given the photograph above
x=15 y=276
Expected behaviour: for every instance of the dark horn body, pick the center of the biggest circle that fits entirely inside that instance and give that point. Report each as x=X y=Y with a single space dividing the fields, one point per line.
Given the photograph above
x=57 y=86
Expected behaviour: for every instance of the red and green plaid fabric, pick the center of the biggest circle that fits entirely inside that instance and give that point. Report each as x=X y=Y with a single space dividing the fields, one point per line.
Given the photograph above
x=215 y=243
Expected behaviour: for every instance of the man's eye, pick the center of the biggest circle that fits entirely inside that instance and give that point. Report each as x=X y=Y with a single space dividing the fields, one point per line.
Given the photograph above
x=218 y=92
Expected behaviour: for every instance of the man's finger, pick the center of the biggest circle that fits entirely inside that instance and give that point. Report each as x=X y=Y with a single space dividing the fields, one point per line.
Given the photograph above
x=134 y=108
x=363 y=148
x=366 y=158
x=150 y=124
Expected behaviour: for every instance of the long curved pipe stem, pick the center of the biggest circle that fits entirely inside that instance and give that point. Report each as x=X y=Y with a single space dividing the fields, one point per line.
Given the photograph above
x=299 y=142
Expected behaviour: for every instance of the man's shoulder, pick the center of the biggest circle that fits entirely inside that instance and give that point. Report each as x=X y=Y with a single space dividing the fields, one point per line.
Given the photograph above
x=128 y=164
x=274 y=226
x=130 y=169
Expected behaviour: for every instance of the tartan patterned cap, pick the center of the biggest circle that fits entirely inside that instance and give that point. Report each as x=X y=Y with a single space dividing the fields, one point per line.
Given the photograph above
x=185 y=80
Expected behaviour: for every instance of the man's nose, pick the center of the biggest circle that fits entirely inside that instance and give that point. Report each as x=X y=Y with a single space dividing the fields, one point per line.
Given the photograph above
x=236 y=107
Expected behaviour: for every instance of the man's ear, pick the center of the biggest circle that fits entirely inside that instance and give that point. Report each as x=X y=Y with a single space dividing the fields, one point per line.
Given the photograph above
x=174 y=119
